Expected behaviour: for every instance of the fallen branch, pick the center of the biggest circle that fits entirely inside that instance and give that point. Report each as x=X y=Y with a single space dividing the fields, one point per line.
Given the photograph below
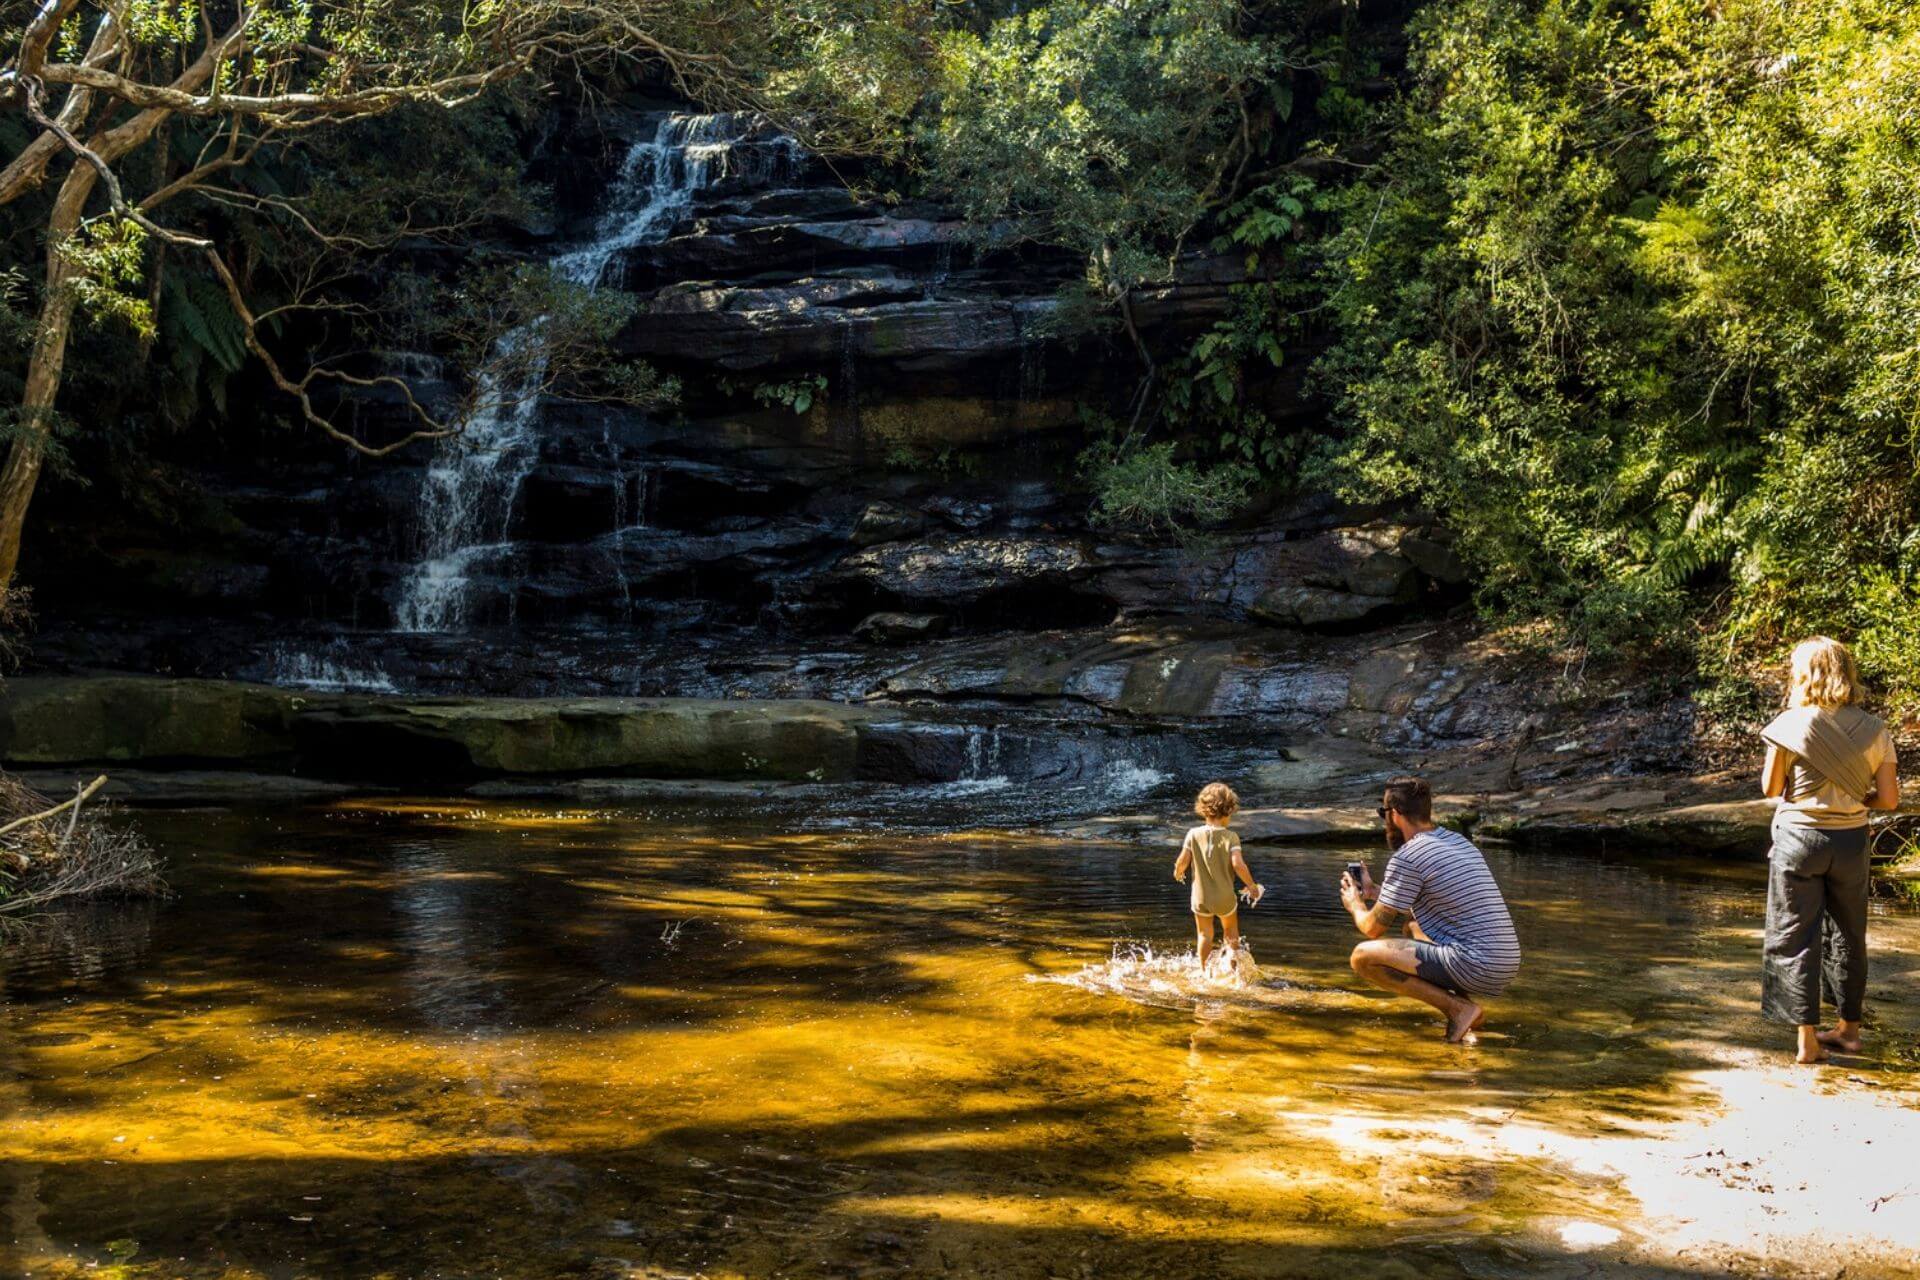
x=96 y=855
x=80 y=797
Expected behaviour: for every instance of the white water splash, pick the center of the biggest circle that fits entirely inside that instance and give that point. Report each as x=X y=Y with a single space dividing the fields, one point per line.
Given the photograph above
x=963 y=787
x=467 y=497
x=1176 y=980
x=1124 y=778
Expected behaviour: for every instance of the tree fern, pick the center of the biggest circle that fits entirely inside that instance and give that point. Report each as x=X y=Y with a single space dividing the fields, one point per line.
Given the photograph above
x=194 y=310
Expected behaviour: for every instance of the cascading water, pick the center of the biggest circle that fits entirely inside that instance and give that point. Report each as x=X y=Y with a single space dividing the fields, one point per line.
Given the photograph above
x=629 y=514
x=466 y=501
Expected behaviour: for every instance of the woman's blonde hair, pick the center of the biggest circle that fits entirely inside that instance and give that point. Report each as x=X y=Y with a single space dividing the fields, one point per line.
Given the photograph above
x=1822 y=673
x=1216 y=801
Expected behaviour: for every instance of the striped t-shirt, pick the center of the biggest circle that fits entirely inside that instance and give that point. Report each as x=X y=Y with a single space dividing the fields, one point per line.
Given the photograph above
x=1441 y=879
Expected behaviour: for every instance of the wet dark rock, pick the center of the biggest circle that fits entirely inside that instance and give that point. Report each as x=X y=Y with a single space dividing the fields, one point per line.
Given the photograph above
x=960 y=570
x=1337 y=577
x=573 y=503
x=176 y=576
x=725 y=247
x=1315 y=607
x=1435 y=557
x=787 y=204
x=902 y=628
x=914 y=753
x=960 y=512
x=887 y=522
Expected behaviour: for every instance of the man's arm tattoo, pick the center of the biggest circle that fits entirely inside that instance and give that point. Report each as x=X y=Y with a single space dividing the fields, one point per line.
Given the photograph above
x=1386 y=916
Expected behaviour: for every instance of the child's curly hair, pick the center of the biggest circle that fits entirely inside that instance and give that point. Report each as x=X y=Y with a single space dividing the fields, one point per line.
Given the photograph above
x=1216 y=801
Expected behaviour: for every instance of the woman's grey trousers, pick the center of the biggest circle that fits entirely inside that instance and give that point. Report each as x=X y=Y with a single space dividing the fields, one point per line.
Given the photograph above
x=1816 y=924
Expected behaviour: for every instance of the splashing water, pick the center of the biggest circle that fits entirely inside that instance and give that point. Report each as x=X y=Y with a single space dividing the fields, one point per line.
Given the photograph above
x=324 y=673
x=1124 y=778
x=1177 y=980
x=467 y=497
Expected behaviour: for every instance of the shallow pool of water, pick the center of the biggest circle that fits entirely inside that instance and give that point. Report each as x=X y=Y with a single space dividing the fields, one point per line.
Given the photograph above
x=451 y=1040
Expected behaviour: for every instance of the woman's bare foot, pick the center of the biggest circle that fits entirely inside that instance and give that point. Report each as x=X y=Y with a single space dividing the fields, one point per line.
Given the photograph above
x=1810 y=1059
x=1464 y=1021
x=1811 y=1053
x=1845 y=1037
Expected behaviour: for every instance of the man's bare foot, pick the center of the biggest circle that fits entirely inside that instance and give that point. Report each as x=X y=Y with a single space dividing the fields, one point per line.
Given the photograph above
x=1463 y=1022
x=1846 y=1041
x=1810 y=1059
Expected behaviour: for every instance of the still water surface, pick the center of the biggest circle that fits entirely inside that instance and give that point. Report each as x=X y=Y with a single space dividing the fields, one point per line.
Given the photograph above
x=444 y=1040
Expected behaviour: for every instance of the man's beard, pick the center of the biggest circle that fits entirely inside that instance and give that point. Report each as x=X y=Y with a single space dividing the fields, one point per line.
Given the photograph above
x=1394 y=838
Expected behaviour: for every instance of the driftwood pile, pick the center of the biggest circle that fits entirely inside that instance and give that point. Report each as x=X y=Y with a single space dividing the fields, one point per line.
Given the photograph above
x=72 y=849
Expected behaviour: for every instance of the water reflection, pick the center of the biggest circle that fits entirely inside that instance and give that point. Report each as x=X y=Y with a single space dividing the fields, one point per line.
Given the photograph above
x=421 y=1040
x=447 y=943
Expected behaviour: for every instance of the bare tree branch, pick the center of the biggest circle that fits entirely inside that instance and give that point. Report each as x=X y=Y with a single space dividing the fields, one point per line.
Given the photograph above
x=27 y=169
x=301 y=389
x=363 y=102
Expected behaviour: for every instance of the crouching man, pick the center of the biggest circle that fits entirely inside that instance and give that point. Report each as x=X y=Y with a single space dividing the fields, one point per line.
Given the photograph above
x=1461 y=947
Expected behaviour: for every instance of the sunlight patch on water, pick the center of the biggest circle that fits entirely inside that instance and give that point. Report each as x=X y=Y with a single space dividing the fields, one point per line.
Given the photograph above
x=821 y=1054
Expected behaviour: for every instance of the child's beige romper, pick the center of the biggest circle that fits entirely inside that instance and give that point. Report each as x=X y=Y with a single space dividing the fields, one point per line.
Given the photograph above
x=1212 y=849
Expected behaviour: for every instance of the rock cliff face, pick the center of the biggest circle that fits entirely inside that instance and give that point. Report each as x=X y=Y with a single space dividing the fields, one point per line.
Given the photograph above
x=874 y=448
x=854 y=552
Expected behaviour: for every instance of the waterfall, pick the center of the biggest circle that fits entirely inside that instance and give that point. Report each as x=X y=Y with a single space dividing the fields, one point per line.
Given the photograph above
x=629 y=513
x=983 y=755
x=466 y=500
x=331 y=671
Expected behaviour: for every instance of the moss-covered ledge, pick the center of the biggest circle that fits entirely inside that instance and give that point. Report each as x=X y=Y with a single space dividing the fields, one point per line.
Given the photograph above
x=160 y=724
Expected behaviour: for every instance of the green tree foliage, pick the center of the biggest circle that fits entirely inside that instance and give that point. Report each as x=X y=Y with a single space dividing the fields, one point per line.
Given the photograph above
x=1108 y=128
x=1119 y=131
x=1630 y=302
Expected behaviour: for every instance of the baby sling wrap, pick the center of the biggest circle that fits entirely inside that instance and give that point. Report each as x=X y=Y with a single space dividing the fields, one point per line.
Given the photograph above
x=1832 y=741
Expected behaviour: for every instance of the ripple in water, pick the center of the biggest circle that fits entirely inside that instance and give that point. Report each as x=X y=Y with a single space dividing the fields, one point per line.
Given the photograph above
x=1176 y=980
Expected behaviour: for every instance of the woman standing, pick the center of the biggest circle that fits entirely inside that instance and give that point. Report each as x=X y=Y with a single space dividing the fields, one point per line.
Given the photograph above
x=1829 y=762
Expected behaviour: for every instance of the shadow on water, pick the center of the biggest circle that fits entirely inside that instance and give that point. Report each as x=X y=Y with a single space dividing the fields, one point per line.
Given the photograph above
x=416 y=1040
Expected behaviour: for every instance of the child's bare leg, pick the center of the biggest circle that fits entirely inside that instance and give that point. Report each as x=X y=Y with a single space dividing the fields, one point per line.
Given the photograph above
x=1230 y=927
x=1203 y=925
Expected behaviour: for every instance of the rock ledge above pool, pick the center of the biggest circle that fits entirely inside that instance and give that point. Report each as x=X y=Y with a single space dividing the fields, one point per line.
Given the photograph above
x=209 y=724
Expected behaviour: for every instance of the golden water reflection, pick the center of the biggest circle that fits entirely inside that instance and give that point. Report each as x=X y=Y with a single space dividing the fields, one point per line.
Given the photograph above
x=445 y=1040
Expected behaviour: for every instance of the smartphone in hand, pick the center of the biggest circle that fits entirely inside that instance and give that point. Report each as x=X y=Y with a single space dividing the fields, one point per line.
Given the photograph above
x=1358 y=870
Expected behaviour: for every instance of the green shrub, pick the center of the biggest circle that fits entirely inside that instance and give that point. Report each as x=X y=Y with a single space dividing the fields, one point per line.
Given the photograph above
x=1146 y=488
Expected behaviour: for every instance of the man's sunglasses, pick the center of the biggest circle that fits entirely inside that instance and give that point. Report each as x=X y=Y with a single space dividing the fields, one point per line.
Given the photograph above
x=1383 y=810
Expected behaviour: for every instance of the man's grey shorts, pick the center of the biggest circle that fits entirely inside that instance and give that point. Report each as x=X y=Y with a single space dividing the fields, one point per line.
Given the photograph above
x=1429 y=967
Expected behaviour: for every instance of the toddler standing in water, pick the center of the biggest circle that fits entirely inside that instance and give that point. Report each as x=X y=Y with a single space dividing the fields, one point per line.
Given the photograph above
x=1212 y=852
